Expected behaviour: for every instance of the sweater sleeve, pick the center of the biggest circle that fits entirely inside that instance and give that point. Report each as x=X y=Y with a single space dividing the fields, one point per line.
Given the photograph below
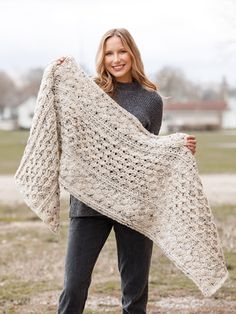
x=156 y=114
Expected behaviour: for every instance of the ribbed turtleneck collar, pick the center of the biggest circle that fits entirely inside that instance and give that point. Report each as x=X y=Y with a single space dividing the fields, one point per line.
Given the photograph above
x=132 y=86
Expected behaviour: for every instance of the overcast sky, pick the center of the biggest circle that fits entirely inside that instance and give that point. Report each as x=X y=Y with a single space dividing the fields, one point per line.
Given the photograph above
x=198 y=36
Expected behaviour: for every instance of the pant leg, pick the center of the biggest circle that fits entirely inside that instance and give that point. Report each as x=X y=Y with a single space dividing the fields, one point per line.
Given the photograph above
x=86 y=238
x=134 y=257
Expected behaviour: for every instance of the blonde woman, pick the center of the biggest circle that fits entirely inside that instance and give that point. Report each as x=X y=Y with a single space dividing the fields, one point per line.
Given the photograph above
x=120 y=73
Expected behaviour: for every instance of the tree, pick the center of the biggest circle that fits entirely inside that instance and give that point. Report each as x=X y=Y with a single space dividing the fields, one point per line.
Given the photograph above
x=8 y=90
x=31 y=83
x=174 y=84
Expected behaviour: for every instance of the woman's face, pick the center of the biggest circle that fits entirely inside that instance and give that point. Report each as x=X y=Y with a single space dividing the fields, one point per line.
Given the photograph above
x=117 y=60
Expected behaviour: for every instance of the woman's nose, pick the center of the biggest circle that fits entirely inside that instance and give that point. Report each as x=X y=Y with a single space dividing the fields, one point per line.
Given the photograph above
x=116 y=57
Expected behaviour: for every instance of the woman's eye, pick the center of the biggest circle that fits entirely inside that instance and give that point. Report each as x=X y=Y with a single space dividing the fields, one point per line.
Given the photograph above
x=123 y=51
x=107 y=53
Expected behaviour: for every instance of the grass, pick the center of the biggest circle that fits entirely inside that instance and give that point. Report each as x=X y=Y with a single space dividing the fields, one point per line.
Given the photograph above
x=12 y=144
x=21 y=212
x=211 y=157
x=109 y=287
x=97 y=312
x=19 y=292
x=224 y=212
x=11 y=213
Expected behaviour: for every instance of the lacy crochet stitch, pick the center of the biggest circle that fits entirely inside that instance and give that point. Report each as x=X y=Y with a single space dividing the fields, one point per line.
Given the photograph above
x=83 y=141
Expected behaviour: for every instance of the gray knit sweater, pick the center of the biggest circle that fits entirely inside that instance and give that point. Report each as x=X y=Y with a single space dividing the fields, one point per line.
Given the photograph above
x=145 y=105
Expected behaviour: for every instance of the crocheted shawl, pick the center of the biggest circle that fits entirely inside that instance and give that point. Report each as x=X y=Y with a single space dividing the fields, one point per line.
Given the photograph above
x=83 y=141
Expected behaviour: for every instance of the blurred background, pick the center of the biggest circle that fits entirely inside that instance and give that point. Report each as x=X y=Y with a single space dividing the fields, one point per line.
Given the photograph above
x=188 y=49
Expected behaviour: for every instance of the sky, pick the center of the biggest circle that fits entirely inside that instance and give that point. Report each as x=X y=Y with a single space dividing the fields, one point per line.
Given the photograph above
x=197 y=36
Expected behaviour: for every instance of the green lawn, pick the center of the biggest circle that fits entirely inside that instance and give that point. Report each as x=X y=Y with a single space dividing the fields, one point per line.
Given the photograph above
x=216 y=151
x=12 y=144
x=212 y=156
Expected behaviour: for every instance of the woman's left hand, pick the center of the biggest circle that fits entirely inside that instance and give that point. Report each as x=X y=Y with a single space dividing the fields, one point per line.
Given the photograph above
x=191 y=143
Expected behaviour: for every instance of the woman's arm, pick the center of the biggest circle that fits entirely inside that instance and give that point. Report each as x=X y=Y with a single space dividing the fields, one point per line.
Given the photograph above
x=156 y=115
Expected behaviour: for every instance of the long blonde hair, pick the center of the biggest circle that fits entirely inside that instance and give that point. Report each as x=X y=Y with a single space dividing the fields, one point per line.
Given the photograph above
x=104 y=79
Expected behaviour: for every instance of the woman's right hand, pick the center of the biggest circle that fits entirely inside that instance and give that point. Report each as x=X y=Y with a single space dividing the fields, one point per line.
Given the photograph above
x=60 y=60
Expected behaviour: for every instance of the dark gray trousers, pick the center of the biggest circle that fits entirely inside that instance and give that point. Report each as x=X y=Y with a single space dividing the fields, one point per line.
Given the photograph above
x=86 y=238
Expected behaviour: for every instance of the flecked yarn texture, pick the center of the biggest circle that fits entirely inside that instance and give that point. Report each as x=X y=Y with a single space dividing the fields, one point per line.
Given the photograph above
x=82 y=140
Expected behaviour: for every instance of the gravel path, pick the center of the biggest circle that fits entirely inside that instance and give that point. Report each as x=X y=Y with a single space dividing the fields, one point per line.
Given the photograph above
x=219 y=188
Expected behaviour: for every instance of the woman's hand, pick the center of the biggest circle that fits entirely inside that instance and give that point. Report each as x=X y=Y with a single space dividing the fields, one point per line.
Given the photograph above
x=60 y=60
x=191 y=143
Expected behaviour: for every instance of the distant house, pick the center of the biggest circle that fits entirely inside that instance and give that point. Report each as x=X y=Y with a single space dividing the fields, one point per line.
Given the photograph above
x=8 y=118
x=229 y=118
x=25 y=113
x=195 y=115
x=15 y=117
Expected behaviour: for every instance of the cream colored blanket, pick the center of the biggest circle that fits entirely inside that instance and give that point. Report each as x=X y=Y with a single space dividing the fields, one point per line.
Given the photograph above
x=82 y=140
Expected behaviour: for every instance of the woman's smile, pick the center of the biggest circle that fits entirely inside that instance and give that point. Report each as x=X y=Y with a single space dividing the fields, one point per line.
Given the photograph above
x=118 y=67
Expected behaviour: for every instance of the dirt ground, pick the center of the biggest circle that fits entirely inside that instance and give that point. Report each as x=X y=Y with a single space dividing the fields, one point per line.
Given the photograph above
x=34 y=258
x=30 y=254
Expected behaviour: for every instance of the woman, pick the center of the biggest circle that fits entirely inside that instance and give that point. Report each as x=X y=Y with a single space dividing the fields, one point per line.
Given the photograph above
x=120 y=73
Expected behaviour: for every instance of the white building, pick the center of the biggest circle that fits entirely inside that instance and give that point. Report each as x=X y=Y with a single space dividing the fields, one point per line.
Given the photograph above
x=197 y=115
x=8 y=118
x=25 y=113
x=229 y=118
